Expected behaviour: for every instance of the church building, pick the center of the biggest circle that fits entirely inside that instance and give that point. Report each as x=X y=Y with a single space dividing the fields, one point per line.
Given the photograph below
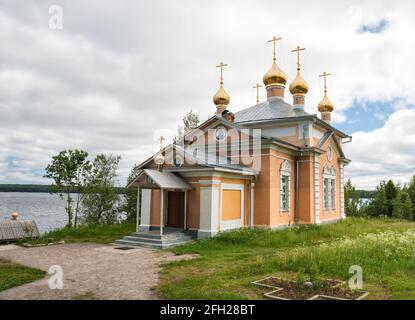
x=270 y=165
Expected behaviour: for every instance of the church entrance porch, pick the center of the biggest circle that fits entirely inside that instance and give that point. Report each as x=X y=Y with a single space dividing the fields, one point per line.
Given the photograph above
x=163 y=200
x=162 y=222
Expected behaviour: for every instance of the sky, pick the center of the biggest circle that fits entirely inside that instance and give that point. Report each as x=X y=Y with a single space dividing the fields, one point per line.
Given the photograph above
x=115 y=75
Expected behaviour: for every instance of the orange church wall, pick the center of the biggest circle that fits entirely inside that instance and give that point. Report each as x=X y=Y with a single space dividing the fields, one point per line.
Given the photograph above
x=193 y=204
x=155 y=207
x=278 y=217
x=327 y=215
x=306 y=191
x=193 y=199
x=267 y=191
x=262 y=193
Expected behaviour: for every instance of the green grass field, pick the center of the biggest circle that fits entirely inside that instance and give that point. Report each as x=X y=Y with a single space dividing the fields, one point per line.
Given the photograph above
x=12 y=274
x=385 y=249
x=98 y=234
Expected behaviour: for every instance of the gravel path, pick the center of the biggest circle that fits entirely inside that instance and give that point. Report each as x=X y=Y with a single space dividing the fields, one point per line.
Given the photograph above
x=90 y=269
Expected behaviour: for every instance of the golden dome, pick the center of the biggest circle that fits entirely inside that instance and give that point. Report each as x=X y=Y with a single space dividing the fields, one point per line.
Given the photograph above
x=275 y=76
x=221 y=98
x=299 y=85
x=325 y=105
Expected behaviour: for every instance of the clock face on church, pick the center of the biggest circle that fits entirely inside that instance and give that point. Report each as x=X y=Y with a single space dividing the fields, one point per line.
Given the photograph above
x=221 y=133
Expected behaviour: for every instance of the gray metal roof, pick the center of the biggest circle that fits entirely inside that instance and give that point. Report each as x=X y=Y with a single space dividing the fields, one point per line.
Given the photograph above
x=273 y=108
x=167 y=180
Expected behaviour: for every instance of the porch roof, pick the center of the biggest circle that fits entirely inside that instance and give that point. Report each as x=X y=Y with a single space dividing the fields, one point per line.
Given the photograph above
x=162 y=179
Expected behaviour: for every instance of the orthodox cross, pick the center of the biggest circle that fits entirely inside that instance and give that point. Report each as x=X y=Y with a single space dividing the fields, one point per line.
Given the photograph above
x=257 y=86
x=274 y=40
x=221 y=65
x=161 y=142
x=298 y=49
x=325 y=75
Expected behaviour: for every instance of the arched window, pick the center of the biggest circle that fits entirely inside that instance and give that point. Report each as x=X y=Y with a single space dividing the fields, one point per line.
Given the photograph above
x=329 y=180
x=285 y=182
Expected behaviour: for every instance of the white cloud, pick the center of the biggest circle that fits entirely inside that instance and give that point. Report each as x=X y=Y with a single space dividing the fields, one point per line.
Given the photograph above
x=121 y=72
x=385 y=153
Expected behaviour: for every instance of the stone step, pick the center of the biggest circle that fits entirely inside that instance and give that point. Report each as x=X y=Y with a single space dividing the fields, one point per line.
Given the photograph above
x=158 y=236
x=152 y=240
x=146 y=234
x=177 y=235
x=148 y=245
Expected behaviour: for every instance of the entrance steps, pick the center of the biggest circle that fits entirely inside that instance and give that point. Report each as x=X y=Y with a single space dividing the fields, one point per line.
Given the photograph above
x=153 y=239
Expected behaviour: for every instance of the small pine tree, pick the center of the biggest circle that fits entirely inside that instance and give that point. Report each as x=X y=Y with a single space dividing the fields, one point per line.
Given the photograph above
x=352 y=199
x=391 y=192
x=190 y=121
x=379 y=206
x=410 y=189
x=407 y=206
x=398 y=211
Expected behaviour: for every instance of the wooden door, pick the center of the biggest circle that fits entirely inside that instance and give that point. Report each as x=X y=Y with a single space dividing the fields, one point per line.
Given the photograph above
x=175 y=209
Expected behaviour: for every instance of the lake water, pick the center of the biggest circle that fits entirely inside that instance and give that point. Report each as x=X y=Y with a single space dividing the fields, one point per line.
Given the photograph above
x=46 y=209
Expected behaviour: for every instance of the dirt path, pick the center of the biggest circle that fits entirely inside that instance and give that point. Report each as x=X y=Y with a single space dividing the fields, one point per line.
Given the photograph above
x=94 y=270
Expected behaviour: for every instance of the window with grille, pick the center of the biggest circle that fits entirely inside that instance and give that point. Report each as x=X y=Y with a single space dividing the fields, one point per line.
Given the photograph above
x=329 y=191
x=284 y=193
x=285 y=178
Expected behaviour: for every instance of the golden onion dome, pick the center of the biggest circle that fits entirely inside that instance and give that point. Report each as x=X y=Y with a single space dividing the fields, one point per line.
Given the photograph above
x=221 y=98
x=299 y=85
x=275 y=76
x=325 y=105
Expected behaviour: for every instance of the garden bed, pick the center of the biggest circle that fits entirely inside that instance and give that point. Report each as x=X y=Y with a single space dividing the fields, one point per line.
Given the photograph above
x=326 y=289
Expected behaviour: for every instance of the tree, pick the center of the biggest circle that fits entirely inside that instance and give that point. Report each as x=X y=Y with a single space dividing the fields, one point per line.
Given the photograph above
x=130 y=200
x=68 y=170
x=410 y=189
x=190 y=121
x=379 y=205
x=391 y=192
x=408 y=212
x=352 y=199
x=101 y=203
x=398 y=210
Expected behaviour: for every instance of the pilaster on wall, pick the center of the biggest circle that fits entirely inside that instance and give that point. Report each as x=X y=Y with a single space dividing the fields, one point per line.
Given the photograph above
x=209 y=208
x=317 y=188
x=145 y=210
x=342 y=211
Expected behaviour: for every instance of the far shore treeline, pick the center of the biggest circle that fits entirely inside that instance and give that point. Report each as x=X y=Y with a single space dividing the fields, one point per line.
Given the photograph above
x=41 y=188
x=363 y=194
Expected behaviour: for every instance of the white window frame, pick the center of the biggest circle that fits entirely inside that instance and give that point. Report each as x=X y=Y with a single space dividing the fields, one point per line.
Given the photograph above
x=333 y=194
x=326 y=193
x=232 y=224
x=285 y=172
x=329 y=188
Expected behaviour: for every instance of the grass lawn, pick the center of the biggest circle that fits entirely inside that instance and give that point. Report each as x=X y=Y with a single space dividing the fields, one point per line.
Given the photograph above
x=384 y=248
x=13 y=275
x=98 y=234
